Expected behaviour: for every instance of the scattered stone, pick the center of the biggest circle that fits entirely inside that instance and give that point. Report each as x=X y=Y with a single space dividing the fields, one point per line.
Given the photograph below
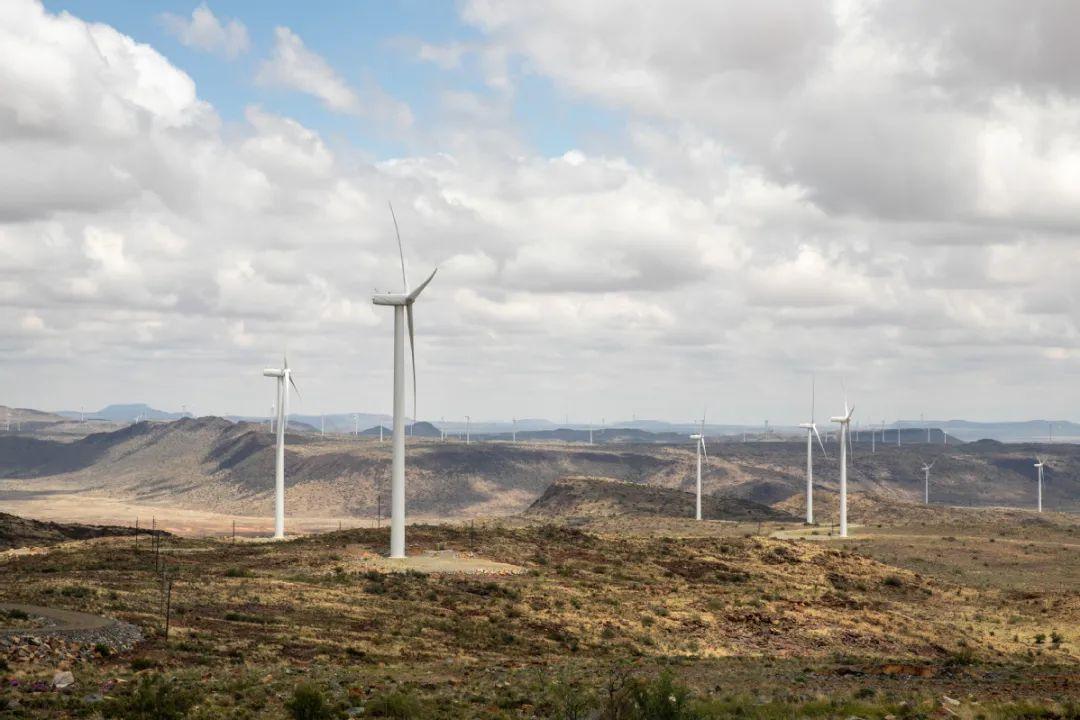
x=63 y=679
x=949 y=701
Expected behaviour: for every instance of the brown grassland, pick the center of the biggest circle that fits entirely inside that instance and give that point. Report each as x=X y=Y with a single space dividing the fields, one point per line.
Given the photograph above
x=922 y=613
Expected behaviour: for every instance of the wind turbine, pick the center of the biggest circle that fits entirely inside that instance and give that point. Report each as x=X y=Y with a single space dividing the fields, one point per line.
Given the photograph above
x=926 y=486
x=1039 y=465
x=403 y=308
x=811 y=431
x=514 y=431
x=700 y=443
x=467 y=421
x=845 y=422
x=284 y=379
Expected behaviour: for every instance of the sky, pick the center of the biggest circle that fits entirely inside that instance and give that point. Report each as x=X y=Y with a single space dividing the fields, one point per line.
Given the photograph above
x=637 y=209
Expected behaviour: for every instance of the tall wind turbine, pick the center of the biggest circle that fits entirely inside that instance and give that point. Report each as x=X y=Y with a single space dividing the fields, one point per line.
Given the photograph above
x=1039 y=465
x=811 y=431
x=926 y=485
x=403 y=309
x=845 y=438
x=700 y=443
x=514 y=431
x=468 y=420
x=284 y=379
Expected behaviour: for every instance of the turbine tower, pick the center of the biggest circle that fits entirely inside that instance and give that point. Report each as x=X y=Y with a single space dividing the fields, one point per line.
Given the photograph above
x=467 y=421
x=1039 y=466
x=284 y=379
x=811 y=431
x=926 y=485
x=514 y=431
x=403 y=309
x=845 y=438
x=700 y=443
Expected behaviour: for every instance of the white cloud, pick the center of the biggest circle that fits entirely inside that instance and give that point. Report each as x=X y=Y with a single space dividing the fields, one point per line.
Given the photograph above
x=205 y=32
x=788 y=185
x=295 y=67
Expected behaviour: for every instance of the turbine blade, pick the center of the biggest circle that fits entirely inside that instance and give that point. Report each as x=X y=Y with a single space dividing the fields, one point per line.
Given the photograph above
x=813 y=381
x=703 y=450
x=420 y=288
x=851 y=446
x=412 y=350
x=401 y=253
x=293 y=383
x=816 y=433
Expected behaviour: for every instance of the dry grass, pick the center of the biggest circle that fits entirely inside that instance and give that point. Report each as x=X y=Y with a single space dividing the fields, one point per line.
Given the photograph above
x=901 y=613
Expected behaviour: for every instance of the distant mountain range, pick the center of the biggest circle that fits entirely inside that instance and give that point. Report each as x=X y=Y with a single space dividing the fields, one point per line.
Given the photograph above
x=619 y=431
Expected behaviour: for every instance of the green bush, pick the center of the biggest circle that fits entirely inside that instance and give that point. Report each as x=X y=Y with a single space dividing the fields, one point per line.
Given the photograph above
x=154 y=698
x=397 y=705
x=660 y=699
x=308 y=703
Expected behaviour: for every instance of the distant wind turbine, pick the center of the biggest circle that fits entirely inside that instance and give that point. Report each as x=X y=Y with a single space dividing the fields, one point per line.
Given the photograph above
x=1039 y=465
x=284 y=379
x=468 y=420
x=926 y=486
x=811 y=431
x=845 y=423
x=514 y=431
x=403 y=310
x=700 y=444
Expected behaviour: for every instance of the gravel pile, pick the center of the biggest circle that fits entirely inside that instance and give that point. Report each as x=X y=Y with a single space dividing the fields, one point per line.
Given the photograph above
x=57 y=640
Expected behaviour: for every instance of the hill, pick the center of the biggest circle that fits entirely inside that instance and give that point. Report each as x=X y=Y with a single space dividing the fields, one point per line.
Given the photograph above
x=18 y=532
x=212 y=464
x=594 y=496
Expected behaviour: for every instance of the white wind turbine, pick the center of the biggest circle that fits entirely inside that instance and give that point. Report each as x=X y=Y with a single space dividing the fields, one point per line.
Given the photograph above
x=926 y=485
x=514 y=431
x=403 y=309
x=700 y=444
x=468 y=420
x=1039 y=465
x=811 y=431
x=284 y=379
x=845 y=438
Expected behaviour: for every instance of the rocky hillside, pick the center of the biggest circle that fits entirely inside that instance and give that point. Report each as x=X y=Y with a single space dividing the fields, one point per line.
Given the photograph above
x=215 y=464
x=594 y=496
x=18 y=532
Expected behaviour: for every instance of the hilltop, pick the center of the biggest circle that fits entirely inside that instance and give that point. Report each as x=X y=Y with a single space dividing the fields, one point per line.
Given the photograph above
x=16 y=532
x=594 y=496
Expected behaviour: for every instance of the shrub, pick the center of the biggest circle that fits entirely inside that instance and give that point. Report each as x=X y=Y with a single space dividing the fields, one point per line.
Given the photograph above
x=308 y=703
x=154 y=698
x=660 y=699
x=236 y=572
x=397 y=705
x=75 y=591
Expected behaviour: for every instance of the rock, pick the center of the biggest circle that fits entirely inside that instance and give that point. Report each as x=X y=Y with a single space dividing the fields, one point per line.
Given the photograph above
x=949 y=701
x=63 y=679
x=354 y=712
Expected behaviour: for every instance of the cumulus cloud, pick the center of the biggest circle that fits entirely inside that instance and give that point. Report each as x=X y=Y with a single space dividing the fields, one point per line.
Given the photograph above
x=204 y=31
x=820 y=187
x=295 y=67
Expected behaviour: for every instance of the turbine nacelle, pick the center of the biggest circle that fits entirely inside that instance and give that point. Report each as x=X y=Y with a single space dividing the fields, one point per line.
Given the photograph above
x=272 y=372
